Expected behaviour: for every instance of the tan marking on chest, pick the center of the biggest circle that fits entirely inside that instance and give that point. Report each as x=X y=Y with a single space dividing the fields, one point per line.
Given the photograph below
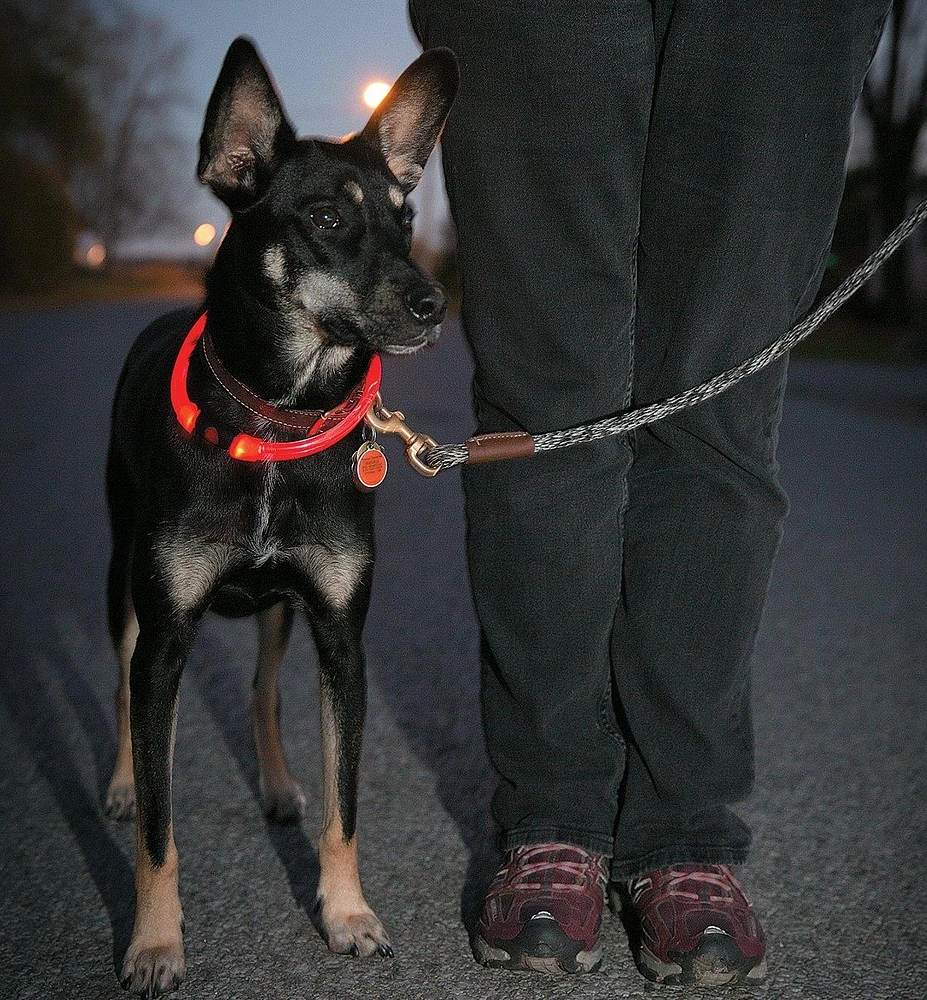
x=191 y=567
x=336 y=572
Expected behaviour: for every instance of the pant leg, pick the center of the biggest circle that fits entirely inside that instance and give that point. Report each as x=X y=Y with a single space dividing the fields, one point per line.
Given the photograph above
x=743 y=175
x=543 y=156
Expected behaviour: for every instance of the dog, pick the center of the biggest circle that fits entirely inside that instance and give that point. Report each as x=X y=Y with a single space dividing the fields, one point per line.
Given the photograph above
x=311 y=283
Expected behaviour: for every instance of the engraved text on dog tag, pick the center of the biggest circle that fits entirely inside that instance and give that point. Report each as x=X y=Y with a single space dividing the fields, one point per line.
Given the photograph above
x=368 y=466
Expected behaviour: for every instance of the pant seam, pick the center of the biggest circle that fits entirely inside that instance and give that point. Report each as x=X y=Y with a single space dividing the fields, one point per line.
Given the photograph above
x=606 y=710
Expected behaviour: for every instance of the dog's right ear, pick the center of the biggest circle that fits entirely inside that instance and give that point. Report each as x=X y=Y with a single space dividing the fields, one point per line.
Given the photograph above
x=246 y=132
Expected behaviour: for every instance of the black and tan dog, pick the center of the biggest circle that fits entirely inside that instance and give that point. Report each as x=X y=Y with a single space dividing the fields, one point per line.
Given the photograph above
x=312 y=281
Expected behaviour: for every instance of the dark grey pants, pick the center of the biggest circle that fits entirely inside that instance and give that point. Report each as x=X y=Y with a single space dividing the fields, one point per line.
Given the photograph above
x=645 y=194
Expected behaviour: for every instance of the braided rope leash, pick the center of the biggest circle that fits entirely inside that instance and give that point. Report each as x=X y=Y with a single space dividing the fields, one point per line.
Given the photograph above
x=449 y=455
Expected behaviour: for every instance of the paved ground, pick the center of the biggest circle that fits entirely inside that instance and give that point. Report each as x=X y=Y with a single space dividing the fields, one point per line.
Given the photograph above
x=839 y=815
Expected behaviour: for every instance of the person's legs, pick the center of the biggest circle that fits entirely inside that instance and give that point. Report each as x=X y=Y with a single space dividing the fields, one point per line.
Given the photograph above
x=543 y=156
x=743 y=176
x=545 y=162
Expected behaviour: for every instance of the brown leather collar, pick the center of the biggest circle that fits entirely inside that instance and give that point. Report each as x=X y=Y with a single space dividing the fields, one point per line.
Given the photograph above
x=300 y=420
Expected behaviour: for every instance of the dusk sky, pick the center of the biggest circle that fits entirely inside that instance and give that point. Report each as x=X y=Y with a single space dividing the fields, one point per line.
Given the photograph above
x=321 y=55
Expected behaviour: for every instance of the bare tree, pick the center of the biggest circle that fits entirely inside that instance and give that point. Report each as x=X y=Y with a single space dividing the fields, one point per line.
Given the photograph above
x=47 y=130
x=137 y=188
x=895 y=100
x=45 y=113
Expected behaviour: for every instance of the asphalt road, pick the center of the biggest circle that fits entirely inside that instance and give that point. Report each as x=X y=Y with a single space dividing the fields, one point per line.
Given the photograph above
x=839 y=868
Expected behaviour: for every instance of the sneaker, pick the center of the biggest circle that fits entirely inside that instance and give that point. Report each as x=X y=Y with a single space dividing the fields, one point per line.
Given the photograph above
x=697 y=926
x=543 y=911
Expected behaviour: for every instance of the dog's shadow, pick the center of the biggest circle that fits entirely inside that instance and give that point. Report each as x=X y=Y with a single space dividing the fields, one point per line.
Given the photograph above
x=225 y=695
x=43 y=730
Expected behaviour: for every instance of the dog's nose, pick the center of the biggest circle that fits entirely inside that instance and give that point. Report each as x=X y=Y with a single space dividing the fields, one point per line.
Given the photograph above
x=427 y=306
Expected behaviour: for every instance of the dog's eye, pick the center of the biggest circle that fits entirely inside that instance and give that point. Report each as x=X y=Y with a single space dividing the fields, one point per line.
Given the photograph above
x=407 y=216
x=325 y=218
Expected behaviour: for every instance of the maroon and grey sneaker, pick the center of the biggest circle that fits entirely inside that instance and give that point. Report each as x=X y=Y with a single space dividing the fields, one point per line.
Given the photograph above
x=543 y=911
x=697 y=926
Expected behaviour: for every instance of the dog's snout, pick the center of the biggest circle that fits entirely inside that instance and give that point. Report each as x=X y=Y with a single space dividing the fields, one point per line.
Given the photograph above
x=427 y=305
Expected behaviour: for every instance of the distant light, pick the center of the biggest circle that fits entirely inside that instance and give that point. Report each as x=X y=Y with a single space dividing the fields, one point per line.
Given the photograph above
x=204 y=234
x=96 y=254
x=375 y=92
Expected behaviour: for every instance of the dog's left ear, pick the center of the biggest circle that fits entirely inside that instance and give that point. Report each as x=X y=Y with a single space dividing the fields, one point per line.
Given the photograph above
x=409 y=120
x=246 y=132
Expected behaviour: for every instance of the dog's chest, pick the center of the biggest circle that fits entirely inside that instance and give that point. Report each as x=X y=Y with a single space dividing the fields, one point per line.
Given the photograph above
x=290 y=532
x=260 y=533
x=279 y=507
x=275 y=515
x=252 y=511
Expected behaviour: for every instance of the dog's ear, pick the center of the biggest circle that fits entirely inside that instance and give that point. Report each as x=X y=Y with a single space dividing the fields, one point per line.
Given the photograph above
x=408 y=122
x=245 y=132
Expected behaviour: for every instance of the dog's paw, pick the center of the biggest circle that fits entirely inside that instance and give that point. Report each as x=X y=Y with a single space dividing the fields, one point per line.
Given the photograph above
x=359 y=934
x=283 y=801
x=120 y=801
x=153 y=971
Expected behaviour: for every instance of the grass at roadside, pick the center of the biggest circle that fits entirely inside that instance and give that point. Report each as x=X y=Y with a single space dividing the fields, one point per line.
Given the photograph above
x=142 y=280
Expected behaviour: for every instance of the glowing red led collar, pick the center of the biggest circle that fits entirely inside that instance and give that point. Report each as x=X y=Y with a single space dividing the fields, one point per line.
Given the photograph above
x=247 y=448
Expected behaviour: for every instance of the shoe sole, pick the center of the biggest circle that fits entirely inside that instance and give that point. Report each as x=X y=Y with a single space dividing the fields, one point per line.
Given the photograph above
x=717 y=961
x=541 y=947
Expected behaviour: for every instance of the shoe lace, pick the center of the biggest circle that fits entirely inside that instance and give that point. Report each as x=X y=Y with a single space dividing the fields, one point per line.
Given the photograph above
x=559 y=867
x=685 y=881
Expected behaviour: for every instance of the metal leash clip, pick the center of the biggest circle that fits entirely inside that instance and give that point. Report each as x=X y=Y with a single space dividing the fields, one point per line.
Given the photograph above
x=393 y=422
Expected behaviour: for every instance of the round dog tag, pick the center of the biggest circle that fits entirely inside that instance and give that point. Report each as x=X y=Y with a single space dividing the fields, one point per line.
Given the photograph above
x=368 y=466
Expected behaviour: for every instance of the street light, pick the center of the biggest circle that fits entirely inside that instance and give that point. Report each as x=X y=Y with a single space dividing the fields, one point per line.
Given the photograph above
x=375 y=92
x=204 y=235
x=96 y=254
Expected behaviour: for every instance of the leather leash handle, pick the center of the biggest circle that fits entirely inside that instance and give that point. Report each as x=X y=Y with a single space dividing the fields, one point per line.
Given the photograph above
x=499 y=447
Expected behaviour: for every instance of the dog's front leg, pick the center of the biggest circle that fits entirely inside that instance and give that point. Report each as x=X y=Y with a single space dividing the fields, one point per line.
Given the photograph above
x=169 y=597
x=348 y=924
x=154 y=962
